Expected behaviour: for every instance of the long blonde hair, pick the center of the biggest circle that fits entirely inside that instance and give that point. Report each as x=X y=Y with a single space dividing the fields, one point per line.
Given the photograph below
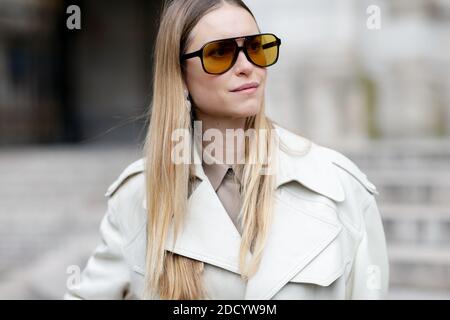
x=169 y=275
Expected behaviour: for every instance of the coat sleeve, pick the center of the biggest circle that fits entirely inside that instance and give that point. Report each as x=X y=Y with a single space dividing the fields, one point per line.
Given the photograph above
x=106 y=275
x=369 y=278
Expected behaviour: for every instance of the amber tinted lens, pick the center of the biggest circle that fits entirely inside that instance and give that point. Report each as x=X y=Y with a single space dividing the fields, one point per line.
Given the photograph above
x=263 y=49
x=218 y=55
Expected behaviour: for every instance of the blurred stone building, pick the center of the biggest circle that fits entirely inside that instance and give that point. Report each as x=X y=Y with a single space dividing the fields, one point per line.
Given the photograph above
x=343 y=80
x=335 y=79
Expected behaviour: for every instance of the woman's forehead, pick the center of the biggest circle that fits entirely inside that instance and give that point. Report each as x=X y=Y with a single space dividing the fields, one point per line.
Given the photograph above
x=222 y=23
x=199 y=40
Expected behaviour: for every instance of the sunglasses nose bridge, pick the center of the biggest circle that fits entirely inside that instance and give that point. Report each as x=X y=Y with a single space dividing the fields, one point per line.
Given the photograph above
x=239 y=49
x=244 y=51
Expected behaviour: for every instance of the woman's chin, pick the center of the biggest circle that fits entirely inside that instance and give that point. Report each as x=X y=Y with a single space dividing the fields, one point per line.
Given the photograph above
x=244 y=111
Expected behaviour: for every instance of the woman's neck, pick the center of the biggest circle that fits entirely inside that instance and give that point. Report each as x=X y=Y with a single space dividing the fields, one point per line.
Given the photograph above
x=231 y=143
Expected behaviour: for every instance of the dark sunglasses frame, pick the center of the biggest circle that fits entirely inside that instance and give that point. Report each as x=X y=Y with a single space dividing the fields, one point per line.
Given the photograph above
x=199 y=53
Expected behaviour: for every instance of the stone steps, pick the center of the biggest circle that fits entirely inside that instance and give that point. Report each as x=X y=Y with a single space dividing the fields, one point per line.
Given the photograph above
x=422 y=266
x=413 y=180
x=416 y=224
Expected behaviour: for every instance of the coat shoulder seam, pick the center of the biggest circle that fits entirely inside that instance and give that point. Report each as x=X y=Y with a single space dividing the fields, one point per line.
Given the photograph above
x=131 y=170
x=347 y=165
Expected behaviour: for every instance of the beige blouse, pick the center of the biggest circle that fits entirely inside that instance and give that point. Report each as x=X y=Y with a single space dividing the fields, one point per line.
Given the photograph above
x=226 y=181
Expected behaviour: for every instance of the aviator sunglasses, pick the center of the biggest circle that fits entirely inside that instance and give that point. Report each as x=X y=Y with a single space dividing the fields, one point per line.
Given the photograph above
x=219 y=56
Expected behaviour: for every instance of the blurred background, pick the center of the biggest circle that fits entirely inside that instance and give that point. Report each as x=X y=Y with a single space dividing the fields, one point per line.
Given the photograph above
x=72 y=105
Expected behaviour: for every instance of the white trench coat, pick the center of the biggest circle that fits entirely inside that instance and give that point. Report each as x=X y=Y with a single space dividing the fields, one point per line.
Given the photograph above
x=326 y=241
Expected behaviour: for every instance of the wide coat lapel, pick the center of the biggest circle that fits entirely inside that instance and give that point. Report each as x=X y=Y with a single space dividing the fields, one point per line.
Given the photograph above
x=208 y=233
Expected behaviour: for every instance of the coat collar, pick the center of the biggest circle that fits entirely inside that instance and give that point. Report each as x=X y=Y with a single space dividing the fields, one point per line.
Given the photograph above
x=312 y=169
x=296 y=238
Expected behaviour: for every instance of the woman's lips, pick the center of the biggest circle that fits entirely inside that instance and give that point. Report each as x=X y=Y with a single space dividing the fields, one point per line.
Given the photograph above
x=246 y=86
x=249 y=90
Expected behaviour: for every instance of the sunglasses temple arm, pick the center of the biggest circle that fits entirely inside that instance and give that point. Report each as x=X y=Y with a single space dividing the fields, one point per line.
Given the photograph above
x=270 y=44
x=191 y=55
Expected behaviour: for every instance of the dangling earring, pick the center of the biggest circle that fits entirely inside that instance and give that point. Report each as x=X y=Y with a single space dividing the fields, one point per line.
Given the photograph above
x=187 y=102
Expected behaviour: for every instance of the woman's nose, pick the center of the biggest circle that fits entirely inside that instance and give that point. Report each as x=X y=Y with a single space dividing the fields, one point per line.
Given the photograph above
x=242 y=63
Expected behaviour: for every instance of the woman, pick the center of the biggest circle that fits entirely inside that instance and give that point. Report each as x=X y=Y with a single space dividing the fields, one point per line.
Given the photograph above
x=285 y=219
